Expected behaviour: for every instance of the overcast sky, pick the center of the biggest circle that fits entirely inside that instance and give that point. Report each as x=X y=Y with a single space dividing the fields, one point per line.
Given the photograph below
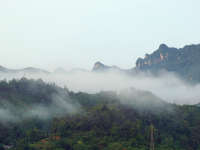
x=75 y=34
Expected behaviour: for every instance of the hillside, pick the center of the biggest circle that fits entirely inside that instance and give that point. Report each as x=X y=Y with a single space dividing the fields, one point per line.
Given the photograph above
x=33 y=111
x=184 y=61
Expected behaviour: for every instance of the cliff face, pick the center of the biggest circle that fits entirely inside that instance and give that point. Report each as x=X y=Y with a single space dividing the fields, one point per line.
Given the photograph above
x=184 y=61
x=161 y=55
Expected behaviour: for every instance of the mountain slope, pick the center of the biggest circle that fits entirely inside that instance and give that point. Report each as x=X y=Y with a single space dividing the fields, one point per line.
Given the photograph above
x=26 y=70
x=184 y=61
x=31 y=110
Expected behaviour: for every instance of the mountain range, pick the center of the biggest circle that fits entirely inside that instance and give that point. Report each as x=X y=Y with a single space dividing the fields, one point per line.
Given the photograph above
x=185 y=62
x=39 y=115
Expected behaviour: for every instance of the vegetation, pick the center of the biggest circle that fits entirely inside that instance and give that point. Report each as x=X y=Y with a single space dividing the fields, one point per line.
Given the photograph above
x=107 y=120
x=184 y=61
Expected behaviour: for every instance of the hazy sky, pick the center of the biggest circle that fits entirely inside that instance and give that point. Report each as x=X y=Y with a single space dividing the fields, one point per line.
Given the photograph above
x=75 y=34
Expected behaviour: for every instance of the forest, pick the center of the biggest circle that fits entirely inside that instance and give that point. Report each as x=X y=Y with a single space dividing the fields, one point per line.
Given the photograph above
x=39 y=115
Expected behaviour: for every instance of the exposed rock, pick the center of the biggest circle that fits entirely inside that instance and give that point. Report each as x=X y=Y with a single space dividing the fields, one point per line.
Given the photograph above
x=99 y=66
x=138 y=65
x=168 y=58
x=161 y=56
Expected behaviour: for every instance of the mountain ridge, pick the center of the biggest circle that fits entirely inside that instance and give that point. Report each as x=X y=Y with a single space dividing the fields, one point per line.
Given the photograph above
x=183 y=61
x=27 y=70
x=98 y=66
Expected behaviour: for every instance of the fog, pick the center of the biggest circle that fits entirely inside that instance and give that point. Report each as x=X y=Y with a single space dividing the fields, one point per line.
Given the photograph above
x=60 y=107
x=167 y=86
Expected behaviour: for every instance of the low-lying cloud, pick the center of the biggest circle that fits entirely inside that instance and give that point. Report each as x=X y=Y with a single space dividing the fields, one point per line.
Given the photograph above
x=60 y=107
x=168 y=86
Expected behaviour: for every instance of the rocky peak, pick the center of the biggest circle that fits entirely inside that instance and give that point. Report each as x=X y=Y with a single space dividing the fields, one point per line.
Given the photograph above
x=184 y=61
x=99 y=66
x=163 y=46
x=158 y=56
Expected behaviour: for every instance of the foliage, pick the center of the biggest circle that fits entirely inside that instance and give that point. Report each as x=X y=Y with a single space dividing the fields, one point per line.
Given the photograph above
x=1 y=147
x=105 y=120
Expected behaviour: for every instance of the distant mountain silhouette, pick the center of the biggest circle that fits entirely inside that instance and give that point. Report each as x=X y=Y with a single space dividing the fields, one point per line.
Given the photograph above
x=64 y=71
x=26 y=70
x=101 y=67
x=60 y=70
x=183 y=61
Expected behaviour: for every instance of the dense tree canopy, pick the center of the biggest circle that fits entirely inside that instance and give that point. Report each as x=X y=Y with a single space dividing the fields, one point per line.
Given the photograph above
x=106 y=120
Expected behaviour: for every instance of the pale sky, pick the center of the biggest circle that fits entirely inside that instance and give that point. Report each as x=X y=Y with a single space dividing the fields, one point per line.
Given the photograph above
x=48 y=34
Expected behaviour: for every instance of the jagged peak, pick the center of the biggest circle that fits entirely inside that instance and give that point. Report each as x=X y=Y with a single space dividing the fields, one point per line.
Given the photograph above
x=98 y=65
x=146 y=56
x=163 y=46
x=98 y=62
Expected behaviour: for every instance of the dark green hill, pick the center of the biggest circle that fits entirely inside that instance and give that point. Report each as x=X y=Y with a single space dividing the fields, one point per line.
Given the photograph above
x=184 y=61
x=31 y=110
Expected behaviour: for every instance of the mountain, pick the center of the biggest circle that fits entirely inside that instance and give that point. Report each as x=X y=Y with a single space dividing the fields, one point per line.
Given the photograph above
x=38 y=115
x=99 y=67
x=64 y=71
x=25 y=70
x=183 y=61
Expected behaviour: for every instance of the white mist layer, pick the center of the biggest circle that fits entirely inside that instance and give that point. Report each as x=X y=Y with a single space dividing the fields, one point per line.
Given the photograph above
x=168 y=87
x=60 y=107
